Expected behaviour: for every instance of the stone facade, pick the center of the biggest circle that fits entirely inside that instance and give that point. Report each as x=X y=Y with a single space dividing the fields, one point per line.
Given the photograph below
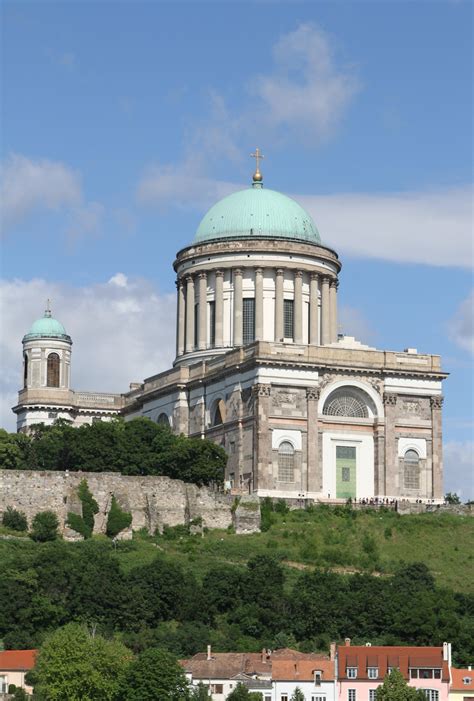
x=154 y=502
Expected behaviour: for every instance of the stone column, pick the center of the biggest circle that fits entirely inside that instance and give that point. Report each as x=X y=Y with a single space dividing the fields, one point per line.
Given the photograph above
x=391 y=457
x=333 y=311
x=189 y=314
x=279 y=305
x=237 y=307
x=181 y=318
x=262 y=446
x=259 y=304
x=437 y=446
x=325 y=312
x=315 y=471
x=313 y=310
x=298 y=306
x=379 y=460
x=219 y=308
x=202 y=336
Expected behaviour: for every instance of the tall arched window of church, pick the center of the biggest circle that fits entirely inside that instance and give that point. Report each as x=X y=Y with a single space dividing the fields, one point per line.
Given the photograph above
x=286 y=462
x=53 y=370
x=25 y=370
x=411 y=462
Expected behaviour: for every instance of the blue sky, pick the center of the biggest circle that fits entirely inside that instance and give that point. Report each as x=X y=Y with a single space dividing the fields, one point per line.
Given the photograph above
x=124 y=121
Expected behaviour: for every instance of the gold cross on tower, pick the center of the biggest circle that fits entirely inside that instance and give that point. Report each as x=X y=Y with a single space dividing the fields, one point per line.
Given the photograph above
x=257 y=177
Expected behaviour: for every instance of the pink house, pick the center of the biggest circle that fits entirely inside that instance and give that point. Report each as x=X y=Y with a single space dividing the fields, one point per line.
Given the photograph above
x=361 y=669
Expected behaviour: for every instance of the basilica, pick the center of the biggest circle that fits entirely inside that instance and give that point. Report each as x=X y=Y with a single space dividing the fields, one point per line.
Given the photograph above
x=302 y=411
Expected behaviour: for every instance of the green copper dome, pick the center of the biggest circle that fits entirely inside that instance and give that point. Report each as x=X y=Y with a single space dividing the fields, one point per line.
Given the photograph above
x=47 y=327
x=257 y=213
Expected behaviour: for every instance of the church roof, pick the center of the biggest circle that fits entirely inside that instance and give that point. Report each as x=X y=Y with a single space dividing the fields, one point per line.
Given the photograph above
x=257 y=213
x=47 y=327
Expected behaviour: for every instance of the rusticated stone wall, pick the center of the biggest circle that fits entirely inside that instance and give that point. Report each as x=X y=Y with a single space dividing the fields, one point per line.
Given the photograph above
x=153 y=501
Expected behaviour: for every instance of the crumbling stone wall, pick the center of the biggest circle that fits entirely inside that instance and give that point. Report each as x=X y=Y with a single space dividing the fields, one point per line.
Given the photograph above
x=153 y=501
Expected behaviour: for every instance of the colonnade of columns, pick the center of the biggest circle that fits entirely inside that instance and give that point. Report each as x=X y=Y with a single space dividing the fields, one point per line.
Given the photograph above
x=192 y=327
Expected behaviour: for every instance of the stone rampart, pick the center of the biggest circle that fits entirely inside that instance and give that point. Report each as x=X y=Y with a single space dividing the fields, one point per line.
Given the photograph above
x=154 y=502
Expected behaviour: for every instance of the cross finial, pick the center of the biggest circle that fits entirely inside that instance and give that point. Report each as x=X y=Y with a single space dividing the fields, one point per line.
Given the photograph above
x=257 y=176
x=47 y=311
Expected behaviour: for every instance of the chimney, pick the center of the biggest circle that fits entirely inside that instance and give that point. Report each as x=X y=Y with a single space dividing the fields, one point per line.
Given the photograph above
x=469 y=666
x=209 y=657
x=347 y=642
x=332 y=652
x=264 y=655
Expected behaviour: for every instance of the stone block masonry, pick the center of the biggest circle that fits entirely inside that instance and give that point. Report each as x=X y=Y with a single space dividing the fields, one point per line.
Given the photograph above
x=154 y=502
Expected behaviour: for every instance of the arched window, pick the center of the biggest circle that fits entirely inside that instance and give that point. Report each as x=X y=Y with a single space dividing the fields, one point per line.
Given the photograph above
x=286 y=462
x=25 y=370
x=218 y=415
x=163 y=420
x=53 y=370
x=345 y=402
x=411 y=466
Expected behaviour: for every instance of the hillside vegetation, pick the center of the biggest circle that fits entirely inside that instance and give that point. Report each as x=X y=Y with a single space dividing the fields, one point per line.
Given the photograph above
x=311 y=577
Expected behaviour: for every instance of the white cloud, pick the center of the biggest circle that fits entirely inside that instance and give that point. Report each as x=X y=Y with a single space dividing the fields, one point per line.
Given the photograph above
x=308 y=92
x=27 y=185
x=461 y=327
x=181 y=185
x=122 y=331
x=459 y=468
x=412 y=227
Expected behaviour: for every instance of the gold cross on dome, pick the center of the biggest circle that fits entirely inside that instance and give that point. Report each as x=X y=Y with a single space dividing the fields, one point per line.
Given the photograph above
x=47 y=311
x=258 y=157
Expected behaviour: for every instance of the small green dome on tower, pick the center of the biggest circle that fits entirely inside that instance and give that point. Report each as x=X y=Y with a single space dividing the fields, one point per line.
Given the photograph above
x=257 y=213
x=47 y=327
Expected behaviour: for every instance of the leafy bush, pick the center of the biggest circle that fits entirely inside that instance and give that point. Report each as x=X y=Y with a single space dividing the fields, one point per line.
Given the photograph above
x=14 y=519
x=44 y=527
x=84 y=524
x=117 y=519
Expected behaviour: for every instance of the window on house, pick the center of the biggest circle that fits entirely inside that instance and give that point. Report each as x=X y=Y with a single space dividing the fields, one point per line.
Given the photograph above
x=425 y=673
x=411 y=469
x=3 y=685
x=318 y=698
x=52 y=370
x=372 y=672
x=288 y=318
x=217 y=688
x=218 y=416
x=248 y=320
x=286 y=462
x=351 y=695
x=283 y=697
x=212 y=324
x=431 y=694
x=352 y=672
x=163 y=420
x=317 y=677
x=372 y=694
x=52 y=414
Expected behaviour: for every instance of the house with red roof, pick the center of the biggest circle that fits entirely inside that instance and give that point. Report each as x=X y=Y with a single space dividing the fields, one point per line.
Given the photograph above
x=361 y=669
x=462 y=685
x=14 y=664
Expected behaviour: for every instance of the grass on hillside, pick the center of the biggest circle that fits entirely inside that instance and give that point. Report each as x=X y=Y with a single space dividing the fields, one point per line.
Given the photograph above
x=341 y=539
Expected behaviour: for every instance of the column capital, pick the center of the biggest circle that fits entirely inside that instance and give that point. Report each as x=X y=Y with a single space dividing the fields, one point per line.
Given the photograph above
x=315 y=276
x=219 y=273
x=312 y=393
x=189 y=278
x=280 y=271
x=259 y=271
x=237 y=271
x=326 y=279
x=202 y=275
x=389 y=398
x=299 y=274
x=436 y=402
x=261 y=390
x=334 y=282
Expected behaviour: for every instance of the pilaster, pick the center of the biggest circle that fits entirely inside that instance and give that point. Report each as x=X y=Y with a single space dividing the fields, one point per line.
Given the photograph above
x=315 y=472
x=391 y=457
x=437 y=446
x=262 y=463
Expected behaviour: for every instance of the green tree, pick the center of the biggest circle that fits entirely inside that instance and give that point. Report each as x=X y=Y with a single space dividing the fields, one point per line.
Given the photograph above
x=76 y=665
x=241 y=693
x=297 y=695
x=84 y=524
x=117 y=519
x=44 y=527
x=155 y=674
x=452 y=498
x=14 y=519
x=200 y=693
x=395 y=688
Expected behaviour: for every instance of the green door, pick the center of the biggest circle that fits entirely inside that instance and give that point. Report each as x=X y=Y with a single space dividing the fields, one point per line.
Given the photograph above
x=345 y=472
